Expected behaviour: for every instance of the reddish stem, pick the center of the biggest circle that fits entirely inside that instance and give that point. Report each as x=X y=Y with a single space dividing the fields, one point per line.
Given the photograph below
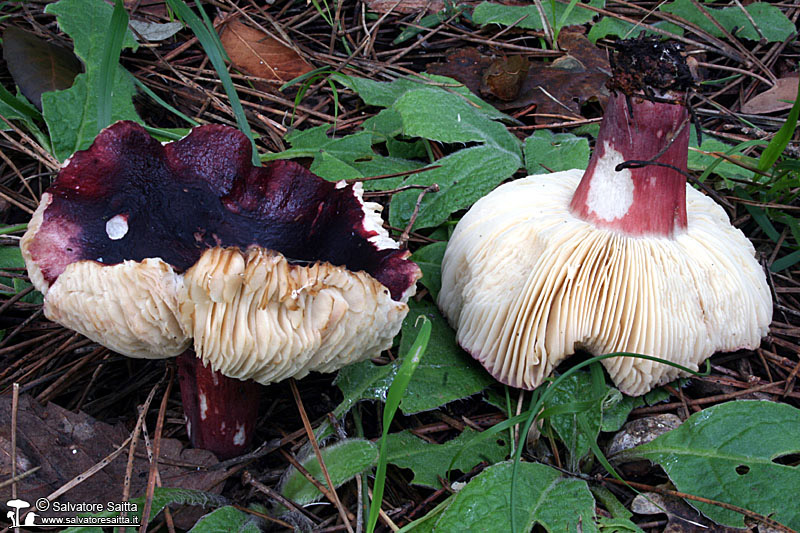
x=220 y=412
x=638 y=201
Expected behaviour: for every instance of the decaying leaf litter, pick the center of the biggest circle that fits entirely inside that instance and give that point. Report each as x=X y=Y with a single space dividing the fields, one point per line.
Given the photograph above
x=359 y=114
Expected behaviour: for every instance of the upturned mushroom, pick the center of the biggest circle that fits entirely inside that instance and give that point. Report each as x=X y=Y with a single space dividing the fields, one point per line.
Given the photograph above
x=624 y=257
x=266 y=273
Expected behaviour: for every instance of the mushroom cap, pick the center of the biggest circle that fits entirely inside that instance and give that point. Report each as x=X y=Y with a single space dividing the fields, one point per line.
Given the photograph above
x=141 y=247
x=526 y=284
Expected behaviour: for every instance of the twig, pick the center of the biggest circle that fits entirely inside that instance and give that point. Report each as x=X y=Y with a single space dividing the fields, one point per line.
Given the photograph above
x=406 y=232
x=315 y=445
x=247 y=479
x=151 y=478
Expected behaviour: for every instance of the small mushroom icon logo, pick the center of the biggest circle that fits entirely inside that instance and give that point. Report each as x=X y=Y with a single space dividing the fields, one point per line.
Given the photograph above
x=16 y=505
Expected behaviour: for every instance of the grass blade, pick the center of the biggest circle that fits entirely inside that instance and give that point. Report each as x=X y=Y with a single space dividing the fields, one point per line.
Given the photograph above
x=209 y=40
x=110 y=64
x=781 y=139
x=393 y=397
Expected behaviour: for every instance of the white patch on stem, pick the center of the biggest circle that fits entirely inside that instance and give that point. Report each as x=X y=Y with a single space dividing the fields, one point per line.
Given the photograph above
x=203 y=406
x=238 y=438
x=610 y=192
x=117 y=227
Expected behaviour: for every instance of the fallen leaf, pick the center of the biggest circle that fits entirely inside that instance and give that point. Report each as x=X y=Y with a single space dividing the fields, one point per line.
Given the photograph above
x=569 y=82
x=504 y=77
x=560 y=87
x=640 y=431
x=38 y=66
x=681 y=518
x=153 y=31
x=405 y=7
x=256 y=53
x=64 y=444
x=778 y=98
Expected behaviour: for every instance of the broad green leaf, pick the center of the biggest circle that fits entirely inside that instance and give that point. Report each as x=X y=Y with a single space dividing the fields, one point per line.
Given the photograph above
x=429 y=461
x=71 y=114
x=343 y=460
x=490 y=13
x=380 y=166
x=429 y=260
x=774 y=25
x=543 y=497
x=385 y=94
x=463 y=178
x=226 y=520
x=612 y=26
x=728 y=453
x=162 y=496
x=439 y=115
x=547 y=152
x=445 y=374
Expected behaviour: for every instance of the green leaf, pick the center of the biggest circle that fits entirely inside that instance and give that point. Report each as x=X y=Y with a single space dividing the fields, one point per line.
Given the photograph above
x=71 y=115
x=446 y=373
x=429 y=260
x=701 y=162
x=439 y=115
x=543 y=497
x=612 y=26
x=547 y=152
x=463 y=178
x=385 y=94
x=343 y=460
x=429 y=461
x=774 y=25
x=728 y=453
x=489 y=13
x=226 y=519
x=162 y=496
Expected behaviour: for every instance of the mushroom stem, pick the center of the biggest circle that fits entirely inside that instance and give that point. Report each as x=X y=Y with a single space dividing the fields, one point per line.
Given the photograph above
x=651 y=199
x=220 y=412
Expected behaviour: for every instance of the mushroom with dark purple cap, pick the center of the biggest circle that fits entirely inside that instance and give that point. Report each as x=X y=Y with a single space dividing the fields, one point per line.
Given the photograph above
x=267 y=273
x=624 y=257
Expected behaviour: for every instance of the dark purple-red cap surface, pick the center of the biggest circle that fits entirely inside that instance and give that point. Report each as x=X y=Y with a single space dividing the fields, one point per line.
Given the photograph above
x=184 y=197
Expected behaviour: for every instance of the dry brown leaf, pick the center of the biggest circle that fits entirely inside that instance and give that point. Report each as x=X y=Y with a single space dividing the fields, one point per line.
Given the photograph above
x=64 y=444
x=559 y=88
x=778 y=98
x=256 y=53
x=405 y=7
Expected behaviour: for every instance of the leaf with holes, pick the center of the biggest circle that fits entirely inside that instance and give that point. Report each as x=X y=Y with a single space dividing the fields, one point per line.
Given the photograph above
x=543 y=497
x=732 y=453
x=430 y=461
